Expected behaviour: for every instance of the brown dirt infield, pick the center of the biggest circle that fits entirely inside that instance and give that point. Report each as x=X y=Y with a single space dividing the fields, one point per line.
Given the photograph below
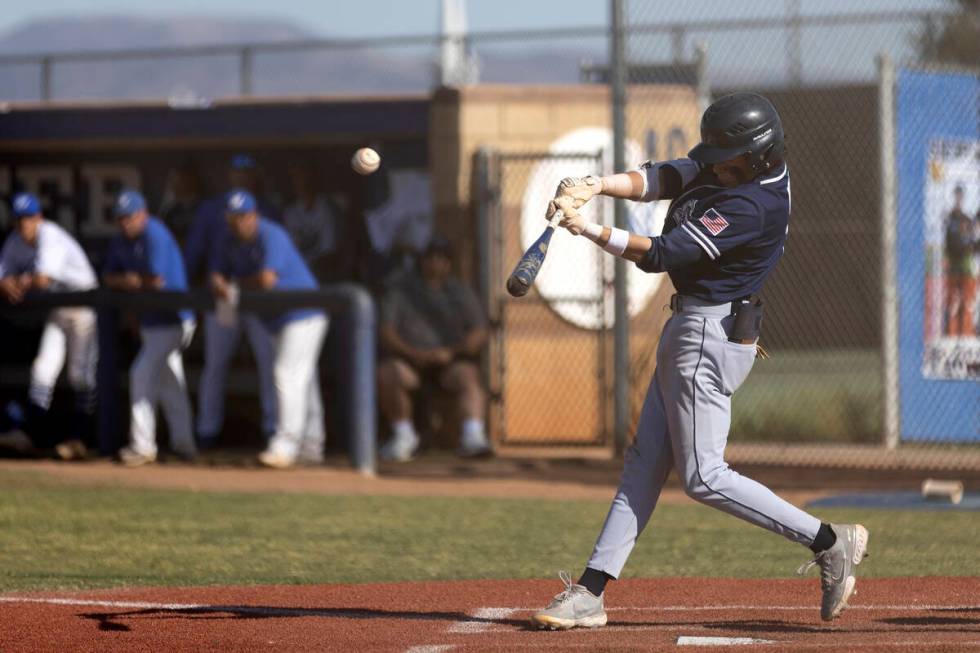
x=924 y=614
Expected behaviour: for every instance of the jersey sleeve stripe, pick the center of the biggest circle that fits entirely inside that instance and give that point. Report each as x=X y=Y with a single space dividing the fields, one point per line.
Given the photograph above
x=708 y=247
x=775 y=179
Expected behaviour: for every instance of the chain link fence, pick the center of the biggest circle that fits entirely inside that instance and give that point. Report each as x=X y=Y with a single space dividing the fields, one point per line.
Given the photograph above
x=856 y=377
x=550 y=354
x=826 y=327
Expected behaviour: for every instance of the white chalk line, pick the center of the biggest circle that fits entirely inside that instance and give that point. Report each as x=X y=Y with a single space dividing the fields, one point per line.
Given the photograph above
x=697 y=640
x=430 y=648
x=482 y=619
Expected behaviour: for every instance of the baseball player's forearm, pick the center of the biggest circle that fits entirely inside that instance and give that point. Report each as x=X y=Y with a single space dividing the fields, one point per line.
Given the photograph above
x=122 y=280
x=623 y=185
x=264 y=280
x=630 y=246
x=11 y=290
x=40 y=281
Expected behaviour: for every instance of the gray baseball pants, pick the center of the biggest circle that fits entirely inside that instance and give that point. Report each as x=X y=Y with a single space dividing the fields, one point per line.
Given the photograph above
x=684 y=424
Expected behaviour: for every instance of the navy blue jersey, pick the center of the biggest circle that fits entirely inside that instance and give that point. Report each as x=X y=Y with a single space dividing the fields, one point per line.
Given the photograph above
x=209 y=230
x=272 y=249
x=153 y=253
x=719 y=244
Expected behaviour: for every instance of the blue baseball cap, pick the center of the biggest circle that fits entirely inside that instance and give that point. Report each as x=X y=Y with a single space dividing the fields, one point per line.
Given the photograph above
x=240 y=201
x=242 y=162
x=25 y=204
x=129 y=202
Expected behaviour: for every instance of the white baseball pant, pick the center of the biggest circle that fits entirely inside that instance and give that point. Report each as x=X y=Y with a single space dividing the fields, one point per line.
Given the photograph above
x=71 y=331
x=684 y=424
x=220 y=343
x=301 y=431
x=157 y=377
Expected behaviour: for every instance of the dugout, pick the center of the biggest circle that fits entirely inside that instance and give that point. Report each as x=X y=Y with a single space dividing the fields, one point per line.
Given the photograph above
x=78 y=156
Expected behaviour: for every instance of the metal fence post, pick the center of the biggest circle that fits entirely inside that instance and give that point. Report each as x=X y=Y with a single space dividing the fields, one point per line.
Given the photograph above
x=621 y=337
x=888 y=217
x=245 y=71
x=45 y=79
x=485 y=255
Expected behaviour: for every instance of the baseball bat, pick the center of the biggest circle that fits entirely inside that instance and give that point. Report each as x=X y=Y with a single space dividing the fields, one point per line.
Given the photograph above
x=521 y=279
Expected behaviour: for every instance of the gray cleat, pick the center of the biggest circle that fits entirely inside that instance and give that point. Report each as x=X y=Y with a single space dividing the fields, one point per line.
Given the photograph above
x=575 y=607
x=837 y=565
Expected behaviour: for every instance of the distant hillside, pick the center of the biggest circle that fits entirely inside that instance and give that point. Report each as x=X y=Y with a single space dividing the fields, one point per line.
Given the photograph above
x=347 y=71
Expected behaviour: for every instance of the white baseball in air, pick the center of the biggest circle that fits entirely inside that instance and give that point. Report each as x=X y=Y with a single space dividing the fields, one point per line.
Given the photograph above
x=365 y=161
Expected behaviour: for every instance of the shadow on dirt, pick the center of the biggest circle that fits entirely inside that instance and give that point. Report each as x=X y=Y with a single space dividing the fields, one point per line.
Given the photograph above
x=113 y=621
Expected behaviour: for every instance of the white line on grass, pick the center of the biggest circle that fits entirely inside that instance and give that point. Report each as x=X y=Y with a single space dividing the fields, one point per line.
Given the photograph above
x=481 y=620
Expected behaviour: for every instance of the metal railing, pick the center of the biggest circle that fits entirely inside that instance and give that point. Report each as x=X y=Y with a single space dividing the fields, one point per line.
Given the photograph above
x=245 y=53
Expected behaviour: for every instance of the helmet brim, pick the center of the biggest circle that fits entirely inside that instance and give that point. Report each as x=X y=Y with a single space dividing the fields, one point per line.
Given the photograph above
x=703 y=153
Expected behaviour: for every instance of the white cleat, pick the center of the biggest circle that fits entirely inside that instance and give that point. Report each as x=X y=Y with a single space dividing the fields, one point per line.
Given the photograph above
x=576 y=607
x=837 y=580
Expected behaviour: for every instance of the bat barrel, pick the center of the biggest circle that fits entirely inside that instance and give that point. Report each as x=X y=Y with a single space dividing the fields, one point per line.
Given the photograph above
x=526 y=270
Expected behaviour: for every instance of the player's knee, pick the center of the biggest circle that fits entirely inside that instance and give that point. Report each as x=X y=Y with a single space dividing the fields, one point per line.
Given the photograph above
x=703 y=484
x=694 y=487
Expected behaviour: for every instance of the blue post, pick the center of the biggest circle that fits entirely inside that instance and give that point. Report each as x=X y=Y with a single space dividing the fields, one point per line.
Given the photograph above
x=363 y=402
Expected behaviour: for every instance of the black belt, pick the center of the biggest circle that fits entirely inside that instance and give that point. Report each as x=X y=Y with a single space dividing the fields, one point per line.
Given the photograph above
x=677 y=303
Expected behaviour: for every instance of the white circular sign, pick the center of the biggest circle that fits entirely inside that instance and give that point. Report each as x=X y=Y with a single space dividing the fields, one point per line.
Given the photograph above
x=576 y=279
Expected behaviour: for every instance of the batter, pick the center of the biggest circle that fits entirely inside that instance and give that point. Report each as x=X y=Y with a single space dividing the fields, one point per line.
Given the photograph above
x=725 y=231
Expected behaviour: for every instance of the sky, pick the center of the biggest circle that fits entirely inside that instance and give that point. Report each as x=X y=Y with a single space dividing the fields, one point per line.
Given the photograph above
x=366 y=18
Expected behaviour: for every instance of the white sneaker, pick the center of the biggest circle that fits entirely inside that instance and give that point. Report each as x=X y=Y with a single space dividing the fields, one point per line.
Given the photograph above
x=474 y=445
x=276 y=459
x=132 y=458
x=400 y=449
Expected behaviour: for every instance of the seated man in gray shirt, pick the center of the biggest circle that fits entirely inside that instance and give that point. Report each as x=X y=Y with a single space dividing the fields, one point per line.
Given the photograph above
x=432 y=329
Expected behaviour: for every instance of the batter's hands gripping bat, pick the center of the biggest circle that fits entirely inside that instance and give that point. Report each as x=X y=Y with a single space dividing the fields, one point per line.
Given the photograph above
x=520 y=280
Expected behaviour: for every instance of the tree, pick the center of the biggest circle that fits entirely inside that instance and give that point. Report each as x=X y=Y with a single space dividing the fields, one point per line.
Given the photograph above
x=955 y=37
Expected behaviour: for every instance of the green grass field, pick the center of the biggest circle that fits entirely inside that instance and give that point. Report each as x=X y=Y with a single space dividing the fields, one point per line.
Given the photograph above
x=55 y=536
x=811 y=397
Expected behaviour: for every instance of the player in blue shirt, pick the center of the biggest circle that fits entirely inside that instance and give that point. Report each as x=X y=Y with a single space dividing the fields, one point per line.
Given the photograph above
x=145 y=256
x=725 y=231
x=204 y=242
x=260 y=255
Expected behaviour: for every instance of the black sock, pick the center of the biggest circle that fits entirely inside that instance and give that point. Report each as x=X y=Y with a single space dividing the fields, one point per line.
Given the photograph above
x=825 y=538
x=594 y=580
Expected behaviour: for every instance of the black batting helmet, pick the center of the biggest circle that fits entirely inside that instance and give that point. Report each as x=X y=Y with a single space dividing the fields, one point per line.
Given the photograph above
x=737 y=124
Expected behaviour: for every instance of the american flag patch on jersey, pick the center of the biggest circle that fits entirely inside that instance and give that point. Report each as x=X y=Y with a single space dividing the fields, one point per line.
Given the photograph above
x=713 y=222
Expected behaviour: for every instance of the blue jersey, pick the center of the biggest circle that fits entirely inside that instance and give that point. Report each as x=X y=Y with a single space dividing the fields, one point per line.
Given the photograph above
x=719 y=244
x=272 y=249
x=208 y=232
x=153 y=253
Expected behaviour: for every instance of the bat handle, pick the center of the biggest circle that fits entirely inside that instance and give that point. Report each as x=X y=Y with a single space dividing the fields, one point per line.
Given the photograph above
x=555 y=219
